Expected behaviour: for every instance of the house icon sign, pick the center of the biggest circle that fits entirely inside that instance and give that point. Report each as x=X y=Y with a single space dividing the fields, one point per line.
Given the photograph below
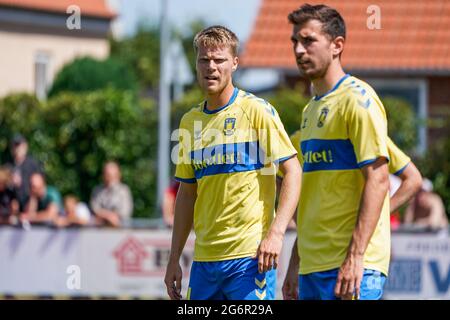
x=130 y=256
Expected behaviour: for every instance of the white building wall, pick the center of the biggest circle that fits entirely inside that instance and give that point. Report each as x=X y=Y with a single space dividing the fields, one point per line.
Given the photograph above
x=19 y=50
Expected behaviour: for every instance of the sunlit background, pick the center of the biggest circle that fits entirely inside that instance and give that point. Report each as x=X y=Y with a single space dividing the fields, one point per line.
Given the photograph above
x=87 y=82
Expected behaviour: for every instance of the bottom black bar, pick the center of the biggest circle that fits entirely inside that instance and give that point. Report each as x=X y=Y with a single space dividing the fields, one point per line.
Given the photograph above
x=164 y=309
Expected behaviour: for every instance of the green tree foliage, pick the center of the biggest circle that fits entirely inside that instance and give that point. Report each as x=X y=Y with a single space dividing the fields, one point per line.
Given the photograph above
x=74 y=134
x=19 y=113
x=140 y=53
x=402 y=123
x=87 y=74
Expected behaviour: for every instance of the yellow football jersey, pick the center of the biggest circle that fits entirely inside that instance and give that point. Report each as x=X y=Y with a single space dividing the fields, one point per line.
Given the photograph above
x=231 y=154
x=341 y=132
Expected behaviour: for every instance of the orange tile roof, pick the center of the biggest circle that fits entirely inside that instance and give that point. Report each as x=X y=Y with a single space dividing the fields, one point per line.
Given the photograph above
x=414 y=35
x=93 y=8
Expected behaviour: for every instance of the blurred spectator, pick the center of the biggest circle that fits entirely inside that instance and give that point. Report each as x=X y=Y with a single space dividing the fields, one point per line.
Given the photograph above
x=111 y=202
x=44 y=204
x=76 y=213
x=23 y=167
x=403 y=187
x=168 y=205
x=426 y=209
x=9 y=206
x=394 y=185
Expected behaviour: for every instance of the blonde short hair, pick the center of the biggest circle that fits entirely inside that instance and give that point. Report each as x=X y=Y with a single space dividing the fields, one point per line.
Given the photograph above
x=217 y=36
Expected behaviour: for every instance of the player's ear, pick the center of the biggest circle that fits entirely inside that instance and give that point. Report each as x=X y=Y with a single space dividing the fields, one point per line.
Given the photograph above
x=235 y=63
x=338 y=46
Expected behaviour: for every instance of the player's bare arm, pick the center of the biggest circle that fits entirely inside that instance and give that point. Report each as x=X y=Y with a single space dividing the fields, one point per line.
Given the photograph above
x=375 y=189
x=270 y=248
x=411 y=183
x=184 y=217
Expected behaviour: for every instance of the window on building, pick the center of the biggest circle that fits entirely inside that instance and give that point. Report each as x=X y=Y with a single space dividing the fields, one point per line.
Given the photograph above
x=41 y=74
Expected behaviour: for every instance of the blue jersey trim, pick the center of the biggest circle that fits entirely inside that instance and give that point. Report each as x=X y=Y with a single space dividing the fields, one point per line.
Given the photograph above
x=334 y=88
x=399 y=172
x=284 y=158
x=193 y=180
x=370 y=161
x=233 y=97
x=366 y=162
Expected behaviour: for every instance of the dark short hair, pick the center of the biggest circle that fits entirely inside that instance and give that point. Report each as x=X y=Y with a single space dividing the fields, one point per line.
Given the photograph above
x=18 y=139
x=332 y=22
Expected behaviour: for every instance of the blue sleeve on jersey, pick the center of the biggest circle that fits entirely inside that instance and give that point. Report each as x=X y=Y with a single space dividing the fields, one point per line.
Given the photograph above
x=193 y=180
x=370 y=161
x=399 y=172
x=285 y=158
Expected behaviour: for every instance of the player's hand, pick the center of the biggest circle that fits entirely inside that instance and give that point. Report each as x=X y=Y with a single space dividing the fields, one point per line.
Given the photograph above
x=269 y=251
x=290 y=284
x=173 y=280
x=349 y=278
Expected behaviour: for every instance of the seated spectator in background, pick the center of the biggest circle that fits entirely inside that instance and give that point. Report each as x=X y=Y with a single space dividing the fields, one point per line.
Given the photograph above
x=44 y=204
x=9 y=206
x=168 y=205
x=76 y=213
x=23 y=167
x=111 y=202
x=394 y=185
x=426 y=209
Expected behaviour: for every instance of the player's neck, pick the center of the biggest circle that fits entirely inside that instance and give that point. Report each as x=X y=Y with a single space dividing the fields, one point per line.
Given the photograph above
x=324 y=84
x=215 y=101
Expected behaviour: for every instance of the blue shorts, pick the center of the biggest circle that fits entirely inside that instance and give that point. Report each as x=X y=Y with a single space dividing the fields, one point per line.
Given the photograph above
x=320 y=285
x=236 y=279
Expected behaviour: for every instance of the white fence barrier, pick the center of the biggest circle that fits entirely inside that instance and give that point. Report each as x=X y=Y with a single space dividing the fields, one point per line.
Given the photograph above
x=102 y=262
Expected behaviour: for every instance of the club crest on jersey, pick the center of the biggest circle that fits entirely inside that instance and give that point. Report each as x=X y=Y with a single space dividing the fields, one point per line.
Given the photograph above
x=229 y=125
x=322 y=117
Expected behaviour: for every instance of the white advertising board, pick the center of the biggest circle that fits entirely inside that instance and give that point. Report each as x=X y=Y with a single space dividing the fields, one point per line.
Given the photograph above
x=131 y=263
